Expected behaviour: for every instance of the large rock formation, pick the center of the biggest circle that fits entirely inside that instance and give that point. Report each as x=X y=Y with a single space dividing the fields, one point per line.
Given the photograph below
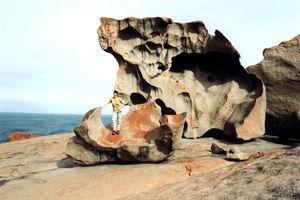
x=280 y=71
x=184 y=69
x=145 y=136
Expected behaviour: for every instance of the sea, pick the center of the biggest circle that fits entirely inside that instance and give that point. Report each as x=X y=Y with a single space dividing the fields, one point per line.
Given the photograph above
x=42 y=124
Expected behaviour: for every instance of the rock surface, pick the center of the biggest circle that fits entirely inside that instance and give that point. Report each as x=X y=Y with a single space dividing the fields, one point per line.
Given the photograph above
x=20 y=136
x=280 y=71
x=145 y=136
x=273 y=178
x=38 y=168
x=184 y=69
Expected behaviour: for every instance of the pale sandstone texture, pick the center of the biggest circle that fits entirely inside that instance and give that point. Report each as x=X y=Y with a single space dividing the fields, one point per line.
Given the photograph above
x=280 y=72
x=183 y=68
x=145 y=136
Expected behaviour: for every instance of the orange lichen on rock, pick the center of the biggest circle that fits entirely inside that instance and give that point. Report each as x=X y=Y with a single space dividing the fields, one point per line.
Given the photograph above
x=141 y=120
x=114 y=138
x=145 y=136
x=20 y=136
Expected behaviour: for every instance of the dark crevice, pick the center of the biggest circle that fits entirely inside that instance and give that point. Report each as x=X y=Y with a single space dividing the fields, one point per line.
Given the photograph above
x=185 y=127
x=159 y=25
x=164 y=109
x=153 y=46
x=284 y=127
x=218 y=63
x=143 y=48
x=142 y=83
x=162 y=67
x=164 y=144
x=216 y=68
x=256 y=85
x=162 y=136
x=154 y=34
x=219 y=134
x=137 y=98
x=168 y=46
x=210 y=79
x=215 y=133
x=194 y=27
x=129 y=33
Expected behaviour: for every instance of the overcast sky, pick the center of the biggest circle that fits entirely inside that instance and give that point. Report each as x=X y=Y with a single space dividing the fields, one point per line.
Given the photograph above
x=51 y=62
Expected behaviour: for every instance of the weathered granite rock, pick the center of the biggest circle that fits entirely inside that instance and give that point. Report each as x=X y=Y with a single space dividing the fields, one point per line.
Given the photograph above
x=20 y=136
x=280 y=71
x=184 y=69
x=145 y=136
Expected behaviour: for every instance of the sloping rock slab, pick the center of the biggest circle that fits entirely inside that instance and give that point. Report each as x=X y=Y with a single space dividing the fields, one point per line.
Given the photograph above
x=38 y=168
x=145 y=136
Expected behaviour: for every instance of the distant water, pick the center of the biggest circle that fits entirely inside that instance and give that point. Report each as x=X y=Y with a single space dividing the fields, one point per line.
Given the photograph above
x=43 y=124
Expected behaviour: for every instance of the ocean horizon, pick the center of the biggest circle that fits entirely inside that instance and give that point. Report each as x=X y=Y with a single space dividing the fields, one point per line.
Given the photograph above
x=40 y=123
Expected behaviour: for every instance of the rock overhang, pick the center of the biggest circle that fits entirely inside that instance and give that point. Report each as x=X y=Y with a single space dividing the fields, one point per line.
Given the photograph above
x=183 y=68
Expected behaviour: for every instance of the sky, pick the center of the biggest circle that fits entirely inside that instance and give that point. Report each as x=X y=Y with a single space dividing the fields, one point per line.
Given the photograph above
x=51 y=61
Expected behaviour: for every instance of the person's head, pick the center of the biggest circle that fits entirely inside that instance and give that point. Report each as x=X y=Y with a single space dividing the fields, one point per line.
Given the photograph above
x=116 y=93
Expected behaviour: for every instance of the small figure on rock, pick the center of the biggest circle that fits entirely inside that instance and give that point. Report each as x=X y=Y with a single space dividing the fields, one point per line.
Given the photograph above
x=117 y=105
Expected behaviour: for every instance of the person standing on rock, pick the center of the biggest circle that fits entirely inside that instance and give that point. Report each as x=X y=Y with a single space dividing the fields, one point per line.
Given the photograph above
x=117 y=105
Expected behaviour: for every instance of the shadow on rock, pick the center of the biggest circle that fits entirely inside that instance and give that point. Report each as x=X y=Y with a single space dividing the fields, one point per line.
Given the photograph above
x=66 y=163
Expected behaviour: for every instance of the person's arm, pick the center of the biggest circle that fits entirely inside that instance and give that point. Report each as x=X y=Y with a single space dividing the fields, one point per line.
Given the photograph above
x=123 y=101
x=106 y=103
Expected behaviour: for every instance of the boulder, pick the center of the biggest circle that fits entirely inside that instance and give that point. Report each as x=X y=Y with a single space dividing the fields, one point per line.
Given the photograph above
x=280 y=71
x=20 y=136
x=145 y=136
x=219 y=149
x=183 y=68
x=237 y=155
x=233 y=153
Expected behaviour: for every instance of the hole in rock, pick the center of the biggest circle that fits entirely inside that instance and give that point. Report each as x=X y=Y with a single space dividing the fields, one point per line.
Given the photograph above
x=159 y=25
x=152 y=46
x=154 y=34
x=167 y=46
x=164 y=109
x=137 y=98
x=222 y=65
x=185 y=127
x=216 y=133
x=219 y=134
x=194 y=27
x=210 y=79
x=162 y=67
x=129 y=33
